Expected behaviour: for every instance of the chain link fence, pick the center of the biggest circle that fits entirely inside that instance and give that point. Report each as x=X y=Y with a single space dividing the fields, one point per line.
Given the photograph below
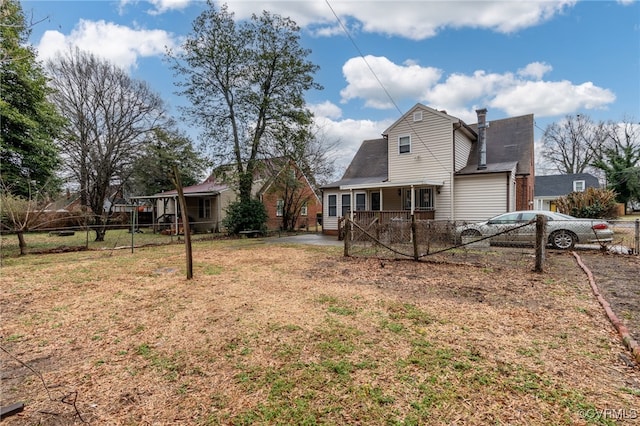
x=416 y=239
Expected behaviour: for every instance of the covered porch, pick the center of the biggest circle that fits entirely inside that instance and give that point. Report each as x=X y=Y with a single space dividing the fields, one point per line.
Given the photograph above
x=388 y=202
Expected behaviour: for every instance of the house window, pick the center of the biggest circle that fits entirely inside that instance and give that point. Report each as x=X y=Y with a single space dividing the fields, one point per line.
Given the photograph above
x=375 y=201
x=279 y=207
x=424 y=199
x=204 y=208
x=361 y=201
x=404 y=144
x=346 y=204
x=333 y=205
x=578 y=186
x=303 y=210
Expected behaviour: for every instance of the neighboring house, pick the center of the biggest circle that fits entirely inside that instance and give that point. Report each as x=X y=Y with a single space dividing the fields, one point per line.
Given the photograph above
x=288 y=194
x=207 y=202
x=435 y=166
x=549 y=188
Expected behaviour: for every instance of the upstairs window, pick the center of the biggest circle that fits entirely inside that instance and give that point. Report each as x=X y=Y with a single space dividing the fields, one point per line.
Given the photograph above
x=578 y=186
x=303 y=210
x=404 y=144
x=279 y=207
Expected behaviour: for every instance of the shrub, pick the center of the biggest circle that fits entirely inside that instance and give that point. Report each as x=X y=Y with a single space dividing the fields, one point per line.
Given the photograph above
x=593 y=203
x=245 y=216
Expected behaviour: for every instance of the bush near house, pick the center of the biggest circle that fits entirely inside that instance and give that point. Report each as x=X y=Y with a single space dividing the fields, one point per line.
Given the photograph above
x=593 y=203
x=245 y=216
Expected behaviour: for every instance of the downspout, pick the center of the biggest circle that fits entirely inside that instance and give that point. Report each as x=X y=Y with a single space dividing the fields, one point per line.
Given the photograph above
x=452 y=204
x=508 y=190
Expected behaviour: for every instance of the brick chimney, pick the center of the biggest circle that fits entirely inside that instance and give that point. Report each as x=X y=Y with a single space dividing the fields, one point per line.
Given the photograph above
x=482 y=138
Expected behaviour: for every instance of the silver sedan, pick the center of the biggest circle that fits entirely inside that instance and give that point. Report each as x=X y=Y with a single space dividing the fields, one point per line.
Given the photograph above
x=519 y=227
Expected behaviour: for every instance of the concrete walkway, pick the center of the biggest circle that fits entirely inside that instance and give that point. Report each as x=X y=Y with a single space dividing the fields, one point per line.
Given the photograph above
x=317 y=239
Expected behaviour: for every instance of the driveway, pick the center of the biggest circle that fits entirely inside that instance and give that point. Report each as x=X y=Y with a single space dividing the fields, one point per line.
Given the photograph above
x=317 y=239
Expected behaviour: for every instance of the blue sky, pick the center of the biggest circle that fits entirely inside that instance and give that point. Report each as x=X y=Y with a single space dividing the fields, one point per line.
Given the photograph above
x=552 y=59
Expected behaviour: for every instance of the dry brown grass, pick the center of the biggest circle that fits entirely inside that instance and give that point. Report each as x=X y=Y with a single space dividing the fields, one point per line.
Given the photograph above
x=269 y=334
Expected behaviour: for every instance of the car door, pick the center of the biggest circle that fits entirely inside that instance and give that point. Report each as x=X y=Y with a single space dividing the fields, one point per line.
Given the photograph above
x=500 y=225
x=526 y=234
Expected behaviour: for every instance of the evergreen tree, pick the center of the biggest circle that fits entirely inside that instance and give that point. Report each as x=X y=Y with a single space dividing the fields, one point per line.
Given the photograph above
x=29 y=123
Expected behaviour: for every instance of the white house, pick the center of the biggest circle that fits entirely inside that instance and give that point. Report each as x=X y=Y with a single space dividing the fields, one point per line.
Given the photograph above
x=433 y=165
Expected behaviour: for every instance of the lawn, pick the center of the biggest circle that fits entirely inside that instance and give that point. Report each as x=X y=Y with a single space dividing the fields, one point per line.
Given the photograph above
x=277 y=334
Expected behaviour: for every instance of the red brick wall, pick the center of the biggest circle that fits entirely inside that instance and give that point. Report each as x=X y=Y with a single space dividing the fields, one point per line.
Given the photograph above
x=524 y=192
x=309 y=221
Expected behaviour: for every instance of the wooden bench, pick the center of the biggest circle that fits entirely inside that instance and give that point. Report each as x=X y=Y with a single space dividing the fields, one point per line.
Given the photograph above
x=251 y=234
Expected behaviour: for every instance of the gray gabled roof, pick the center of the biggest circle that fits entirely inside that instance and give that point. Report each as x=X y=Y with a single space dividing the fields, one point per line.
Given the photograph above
x=560 y=185
x=369 y=165
x=508 y=140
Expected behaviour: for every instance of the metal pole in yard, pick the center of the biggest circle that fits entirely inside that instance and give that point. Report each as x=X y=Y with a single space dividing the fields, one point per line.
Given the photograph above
x=541 y=224
x=132 y=226
x=413 y=237
x=637 y=237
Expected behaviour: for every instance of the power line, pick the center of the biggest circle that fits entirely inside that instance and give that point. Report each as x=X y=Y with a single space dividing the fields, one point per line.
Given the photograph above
x=382 y=85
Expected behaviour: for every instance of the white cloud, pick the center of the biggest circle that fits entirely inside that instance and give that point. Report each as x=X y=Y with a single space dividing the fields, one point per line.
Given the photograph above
x=159 y=6
x=551 y=98
x=345 y=134
x=326 y=109
x=119 y=44
x=535 y=69
x=162 y=6
x=404 y=81
x=521 y=93
x=415 y=20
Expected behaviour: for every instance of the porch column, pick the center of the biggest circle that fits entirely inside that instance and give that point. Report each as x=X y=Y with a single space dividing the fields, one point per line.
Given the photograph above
x=381 y=200
x=413 y=200
x=175 y=209
x=351 y=202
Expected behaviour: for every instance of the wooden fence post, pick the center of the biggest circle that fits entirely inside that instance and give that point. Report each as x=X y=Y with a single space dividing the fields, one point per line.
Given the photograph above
x=185 y=222
x=541 y=225
x=347 y=237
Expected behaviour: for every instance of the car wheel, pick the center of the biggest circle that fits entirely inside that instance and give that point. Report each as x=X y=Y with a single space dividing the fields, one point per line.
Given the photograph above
x=563 y=240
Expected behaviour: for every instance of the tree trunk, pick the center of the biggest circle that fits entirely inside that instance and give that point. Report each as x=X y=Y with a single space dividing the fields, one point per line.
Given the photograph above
x=21 y=243
x=246 y=182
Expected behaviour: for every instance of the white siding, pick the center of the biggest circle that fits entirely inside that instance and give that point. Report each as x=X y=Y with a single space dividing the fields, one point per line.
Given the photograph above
x=431 y=156
x=463 y=149
x=479 y=197
x=330 y=223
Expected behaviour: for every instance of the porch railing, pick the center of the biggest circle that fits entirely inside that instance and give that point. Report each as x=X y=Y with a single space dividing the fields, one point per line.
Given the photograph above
x=367 y=218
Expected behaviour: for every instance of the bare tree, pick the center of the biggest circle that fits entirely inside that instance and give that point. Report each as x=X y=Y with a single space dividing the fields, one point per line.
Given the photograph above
x=300 y=159
x=109 y=115
x=570 y=145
